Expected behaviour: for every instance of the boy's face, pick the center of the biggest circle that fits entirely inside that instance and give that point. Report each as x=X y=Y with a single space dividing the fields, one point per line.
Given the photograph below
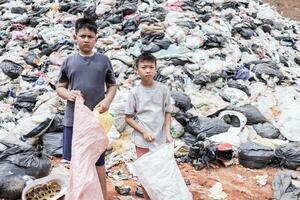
x=86 y=40
x=146 y=70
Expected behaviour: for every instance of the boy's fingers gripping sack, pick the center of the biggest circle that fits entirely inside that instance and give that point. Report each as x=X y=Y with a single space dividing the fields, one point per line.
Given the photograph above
x=106 y=120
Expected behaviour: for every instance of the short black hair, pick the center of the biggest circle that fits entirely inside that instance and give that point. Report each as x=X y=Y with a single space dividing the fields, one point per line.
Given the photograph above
x=83 y=23
x=145 y=57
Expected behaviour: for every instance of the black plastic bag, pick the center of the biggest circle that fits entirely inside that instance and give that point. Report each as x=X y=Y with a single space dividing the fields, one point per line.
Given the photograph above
x=11 y=186
x=283 y=186
x=38 y=130
x=268 y=69
x=203 y=127
x=57 y=123
x=202 y=79
x=251 y=112
x=35 y=163
x=255 y=156
x=26 y=105
x=90 y=13
x=266 y=130
x=11 y=180
x=32 y=59
x=30 y=95
x=183 y=118
x=188 y=138
x=27 y=159
x=53 y=143
x=11 y=69
x=289 y=155
x=182 y=101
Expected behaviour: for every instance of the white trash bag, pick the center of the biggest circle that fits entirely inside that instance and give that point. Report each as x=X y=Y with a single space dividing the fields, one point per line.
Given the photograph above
x=160 y=176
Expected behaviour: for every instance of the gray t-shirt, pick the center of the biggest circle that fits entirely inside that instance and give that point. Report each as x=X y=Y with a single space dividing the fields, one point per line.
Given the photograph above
x=88 y=75
x=148 y=106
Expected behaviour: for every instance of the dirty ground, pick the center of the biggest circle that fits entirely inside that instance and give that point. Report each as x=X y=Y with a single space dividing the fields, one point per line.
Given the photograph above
x=287 y=8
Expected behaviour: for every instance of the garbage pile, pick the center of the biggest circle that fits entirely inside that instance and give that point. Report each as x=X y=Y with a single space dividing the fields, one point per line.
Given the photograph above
x=214 y=55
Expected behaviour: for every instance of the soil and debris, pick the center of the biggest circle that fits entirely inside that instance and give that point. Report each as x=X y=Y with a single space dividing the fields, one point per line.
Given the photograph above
x=233 y=68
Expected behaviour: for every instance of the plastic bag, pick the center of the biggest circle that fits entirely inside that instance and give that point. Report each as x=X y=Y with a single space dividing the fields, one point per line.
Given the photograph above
x=160 y=176
x=232 y=136
x=86 y=149
x=289 y=155
x=205 y=127
x=53 y=143
x=105 y=119
x=255 y=156
x=176 y=129
x=182 y=101
x=283 y=186
x=266 y=130
x=252 y=114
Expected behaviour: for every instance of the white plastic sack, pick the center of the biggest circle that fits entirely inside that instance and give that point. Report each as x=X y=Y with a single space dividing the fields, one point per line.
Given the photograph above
x=289 y=121
x=232 y=136
x=160 y=176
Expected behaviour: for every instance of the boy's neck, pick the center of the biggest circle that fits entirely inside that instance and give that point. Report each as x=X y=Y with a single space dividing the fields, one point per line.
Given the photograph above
x=148 y=83
x=90 y=54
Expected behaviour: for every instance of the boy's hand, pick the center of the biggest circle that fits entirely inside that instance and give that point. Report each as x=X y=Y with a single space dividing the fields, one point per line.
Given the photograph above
x=169 y=138
x=149 y=137
x=73 y=94
x=103 y=106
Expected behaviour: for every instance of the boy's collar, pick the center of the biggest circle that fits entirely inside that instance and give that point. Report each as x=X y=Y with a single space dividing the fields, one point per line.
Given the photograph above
x=91 y=55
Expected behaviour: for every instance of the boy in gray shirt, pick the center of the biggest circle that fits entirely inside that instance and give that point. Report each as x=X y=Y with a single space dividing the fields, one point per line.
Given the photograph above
x=86 y=74
x=148 y=110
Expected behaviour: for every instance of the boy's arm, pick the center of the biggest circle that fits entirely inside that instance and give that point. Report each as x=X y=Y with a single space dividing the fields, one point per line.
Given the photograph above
x=131 y=122
x=110 y=94
x=63 y=92
x=167 y=127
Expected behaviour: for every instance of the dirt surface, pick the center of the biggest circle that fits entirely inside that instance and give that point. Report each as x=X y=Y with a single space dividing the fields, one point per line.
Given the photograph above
x=287 y=8
x=238 y=183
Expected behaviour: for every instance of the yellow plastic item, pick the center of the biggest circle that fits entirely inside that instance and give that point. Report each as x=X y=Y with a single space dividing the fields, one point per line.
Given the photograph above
x=105 y=119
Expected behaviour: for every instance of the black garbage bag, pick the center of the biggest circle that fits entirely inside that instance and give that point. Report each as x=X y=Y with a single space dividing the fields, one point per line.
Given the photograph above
x=57 y=123
x=202 y=153
x=28 y=160
x=11 y=69
x=268 y=69
x=26 y=105
x=283 y=187
x=128 y=8
x=18 y=10
x=33 y=60
x=38 y=130
x=183 y=118
x=3 y=92
x=188 y=138
x=150 y=48
x=30 y=95
x=203 y=127
x=202 y=79
x=77 y=8
x=266 y=130
x=255 y=156
x=36 y=163
x=237 y=85
x=90 y=13
x=53 y=143
x=30 y=77
x=289 y=155
x=182 y=101
x=251 y=112
x=163 y=43
x=11 y=186
x=214 y=41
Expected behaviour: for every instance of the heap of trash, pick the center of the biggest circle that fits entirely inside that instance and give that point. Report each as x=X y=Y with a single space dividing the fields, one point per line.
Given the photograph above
x=233 y=68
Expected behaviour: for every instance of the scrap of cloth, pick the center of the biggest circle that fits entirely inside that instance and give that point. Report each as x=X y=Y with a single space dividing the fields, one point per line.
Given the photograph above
x=88 y=143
